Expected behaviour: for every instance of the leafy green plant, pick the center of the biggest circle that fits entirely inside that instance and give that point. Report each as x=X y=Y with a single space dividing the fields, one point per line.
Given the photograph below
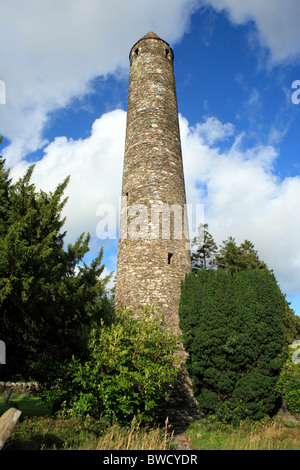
x=288 y=384
x=130 y=367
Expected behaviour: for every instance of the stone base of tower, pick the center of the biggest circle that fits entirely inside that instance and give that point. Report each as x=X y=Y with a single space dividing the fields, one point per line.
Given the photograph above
x=150 y=272
x=181 y=408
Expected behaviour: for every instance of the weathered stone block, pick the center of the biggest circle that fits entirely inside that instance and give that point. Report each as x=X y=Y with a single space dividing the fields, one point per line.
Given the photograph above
x=7 y=423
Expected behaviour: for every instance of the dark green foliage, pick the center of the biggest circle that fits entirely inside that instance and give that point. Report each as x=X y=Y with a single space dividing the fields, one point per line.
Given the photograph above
x=288 y=384
x=232 y=258
x=48 y=296
x=291 y=323
x=232 y=325
x=130 y=366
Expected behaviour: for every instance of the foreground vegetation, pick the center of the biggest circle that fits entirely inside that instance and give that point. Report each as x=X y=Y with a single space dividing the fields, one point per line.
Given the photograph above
x=266 y=434
x=38 y=430
x=53 y=433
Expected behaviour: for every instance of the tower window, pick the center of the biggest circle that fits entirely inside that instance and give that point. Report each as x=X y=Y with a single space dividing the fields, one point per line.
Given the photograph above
x=168 y=55
x=170 y=258
x=136 y=51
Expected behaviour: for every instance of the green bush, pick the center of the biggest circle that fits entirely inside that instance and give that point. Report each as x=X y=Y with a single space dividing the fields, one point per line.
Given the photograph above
x=232 y=326
x=288 y=384
x=130 y=367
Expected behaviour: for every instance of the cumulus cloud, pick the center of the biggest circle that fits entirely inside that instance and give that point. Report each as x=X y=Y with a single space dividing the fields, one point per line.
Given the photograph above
x=52 y=49
x=277 y=23
x=212 y=130
x=94 y=165
x=244 y=198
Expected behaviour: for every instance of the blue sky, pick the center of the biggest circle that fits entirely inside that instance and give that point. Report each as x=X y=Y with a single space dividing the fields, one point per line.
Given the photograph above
x=65 y=67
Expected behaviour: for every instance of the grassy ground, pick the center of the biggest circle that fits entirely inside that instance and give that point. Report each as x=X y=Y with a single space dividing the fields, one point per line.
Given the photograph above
x=269 y=434
x=27 y=403
x=37 y=430
x=49 y=433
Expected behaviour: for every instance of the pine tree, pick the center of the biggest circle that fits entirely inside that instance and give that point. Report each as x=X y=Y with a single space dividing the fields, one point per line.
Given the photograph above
x=204 y=256
x=234 y=258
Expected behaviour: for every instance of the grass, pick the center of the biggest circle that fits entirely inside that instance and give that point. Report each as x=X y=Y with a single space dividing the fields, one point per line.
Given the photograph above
x=29 y=404
x=51 y=433
x=38 y=430
x=269 y=434
x=135 y=438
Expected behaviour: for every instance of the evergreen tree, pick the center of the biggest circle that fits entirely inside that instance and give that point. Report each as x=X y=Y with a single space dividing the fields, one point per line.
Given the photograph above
x=5 y=184
x=204 y=255
x=233 y=331
x=49 y=298
x=234 y=258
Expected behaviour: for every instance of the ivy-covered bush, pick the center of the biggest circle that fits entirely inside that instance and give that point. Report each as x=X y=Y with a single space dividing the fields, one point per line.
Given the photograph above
x=130 y=367
x=233 y=330
x=288 y=384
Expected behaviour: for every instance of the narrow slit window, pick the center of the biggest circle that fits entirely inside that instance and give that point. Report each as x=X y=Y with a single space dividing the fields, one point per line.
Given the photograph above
x=136 y=51
x=168 y=54
x=170 y=258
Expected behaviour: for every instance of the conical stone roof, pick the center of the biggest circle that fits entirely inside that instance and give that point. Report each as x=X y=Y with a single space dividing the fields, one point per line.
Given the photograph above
x=151 y=35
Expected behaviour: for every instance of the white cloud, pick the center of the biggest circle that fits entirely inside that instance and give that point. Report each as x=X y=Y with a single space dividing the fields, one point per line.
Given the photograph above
x=95 y=168
x=277 y=23
x=212 y=130
x=243 y=198
x=51 y=49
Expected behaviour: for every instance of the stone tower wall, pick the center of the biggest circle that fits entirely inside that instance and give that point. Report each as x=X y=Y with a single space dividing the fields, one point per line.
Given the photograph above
x=153 y=253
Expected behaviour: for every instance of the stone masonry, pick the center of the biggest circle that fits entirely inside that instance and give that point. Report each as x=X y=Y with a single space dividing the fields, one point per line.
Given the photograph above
x=153 y=252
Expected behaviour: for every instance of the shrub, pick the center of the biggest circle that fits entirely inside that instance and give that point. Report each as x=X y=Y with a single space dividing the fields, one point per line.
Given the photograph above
x=232 y=326
x=130 y=367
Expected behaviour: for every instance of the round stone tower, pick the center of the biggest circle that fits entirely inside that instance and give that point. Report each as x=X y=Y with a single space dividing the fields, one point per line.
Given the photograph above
x=153 y=252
